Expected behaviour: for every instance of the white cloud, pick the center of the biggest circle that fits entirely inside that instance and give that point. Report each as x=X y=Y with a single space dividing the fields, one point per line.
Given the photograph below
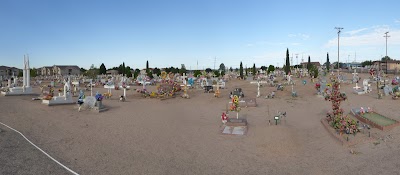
x=371 y=37
x=397 y=21
x=353 y=32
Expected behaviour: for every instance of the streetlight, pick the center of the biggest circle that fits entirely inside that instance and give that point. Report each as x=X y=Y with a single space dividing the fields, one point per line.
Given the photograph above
x=338 y=33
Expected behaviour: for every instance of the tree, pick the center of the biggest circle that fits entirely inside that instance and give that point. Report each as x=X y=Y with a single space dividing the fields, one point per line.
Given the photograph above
x=247 y=71
x=241 y=70
x=128 y=72
x=136 y=73
x=222 y=67
x=147 y=65
x=309 y=64
x=208 y=70
x=102 y=69
x=157 y=71
x=366 y=63
x=287 y=65
x=230 y=69
x=386 y=58
x=222 y=73
x=264 y=68
x=182 y=70
x=328 y=64
x=197 y=73
x=123 y=68
x=271 y=68
x=314 y=71
x=216 y=73
x=83 y=70
x=33 y=72
x=20 y=74
x=254 y=69
x=236 y=70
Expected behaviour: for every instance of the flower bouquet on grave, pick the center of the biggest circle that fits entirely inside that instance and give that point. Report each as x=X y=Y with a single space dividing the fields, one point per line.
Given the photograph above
x=99 y=97
x=60 y=90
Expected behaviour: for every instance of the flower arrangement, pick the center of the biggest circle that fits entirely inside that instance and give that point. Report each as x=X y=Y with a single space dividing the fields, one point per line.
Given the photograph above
x=338 y=121
x=99 y=97
x=235 y=104
x=60 y=90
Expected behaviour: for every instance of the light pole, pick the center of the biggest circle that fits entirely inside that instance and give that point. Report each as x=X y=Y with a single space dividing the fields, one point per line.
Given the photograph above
x=386 y=36
x=338 y=33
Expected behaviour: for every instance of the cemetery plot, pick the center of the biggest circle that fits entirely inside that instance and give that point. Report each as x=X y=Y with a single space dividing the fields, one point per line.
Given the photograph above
x=235 y=127
x=374 y=119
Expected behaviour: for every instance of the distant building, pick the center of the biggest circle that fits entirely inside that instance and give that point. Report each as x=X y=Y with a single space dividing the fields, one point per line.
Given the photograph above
x=62 y=70
x=7 y=72
x=391 y=65
x=351 y=65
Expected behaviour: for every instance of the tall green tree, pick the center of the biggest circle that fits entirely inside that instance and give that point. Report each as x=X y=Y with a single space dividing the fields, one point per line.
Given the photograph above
x=102 y=69
x=254 y=69
x=123 y=68
x=241 y=70
x=328 y=64
x=287 y=65
x=309 y=63
x=147 y=66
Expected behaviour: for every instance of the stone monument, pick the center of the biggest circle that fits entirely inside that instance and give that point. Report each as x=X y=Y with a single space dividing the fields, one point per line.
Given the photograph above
x=26 y=88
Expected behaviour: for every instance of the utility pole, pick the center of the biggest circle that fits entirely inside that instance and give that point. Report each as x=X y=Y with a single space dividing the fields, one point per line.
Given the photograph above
x=297 y=59
x=338 y=33
x=386 y=36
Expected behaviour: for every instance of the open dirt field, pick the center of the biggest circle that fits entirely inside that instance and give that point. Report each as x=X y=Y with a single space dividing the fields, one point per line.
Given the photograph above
x=183 y=136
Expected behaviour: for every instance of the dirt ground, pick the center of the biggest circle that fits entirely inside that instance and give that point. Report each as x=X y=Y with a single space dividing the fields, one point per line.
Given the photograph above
x=183 y=136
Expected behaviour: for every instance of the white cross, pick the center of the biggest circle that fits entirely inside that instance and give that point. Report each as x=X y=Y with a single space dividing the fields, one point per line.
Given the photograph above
x=258 y=86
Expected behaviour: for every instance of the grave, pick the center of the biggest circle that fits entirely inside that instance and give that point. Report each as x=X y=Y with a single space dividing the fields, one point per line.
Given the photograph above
x=366 y=88
x=26 y=88
x=374 y=119
x=235 y=127
x=66 y=98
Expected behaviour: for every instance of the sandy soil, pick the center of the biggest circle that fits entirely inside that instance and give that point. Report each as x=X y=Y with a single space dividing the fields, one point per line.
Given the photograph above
x=183 y=136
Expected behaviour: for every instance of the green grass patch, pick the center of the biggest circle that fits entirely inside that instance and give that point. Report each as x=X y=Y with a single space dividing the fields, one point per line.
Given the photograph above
x=379 y=119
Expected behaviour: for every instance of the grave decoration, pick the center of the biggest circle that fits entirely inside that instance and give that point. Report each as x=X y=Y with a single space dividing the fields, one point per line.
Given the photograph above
x=80 y=102
x=343 y=124
x=235 y=105
x=237 y=92
x=65 y=98
x=396 y=93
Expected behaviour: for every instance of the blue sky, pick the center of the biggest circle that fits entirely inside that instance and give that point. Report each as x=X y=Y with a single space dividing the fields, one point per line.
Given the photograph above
x=171 y=33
